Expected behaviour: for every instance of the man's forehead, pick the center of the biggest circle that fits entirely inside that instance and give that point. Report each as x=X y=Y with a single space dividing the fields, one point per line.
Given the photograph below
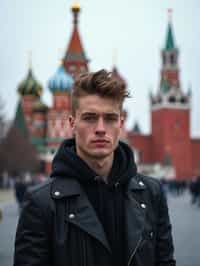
x=95 y=107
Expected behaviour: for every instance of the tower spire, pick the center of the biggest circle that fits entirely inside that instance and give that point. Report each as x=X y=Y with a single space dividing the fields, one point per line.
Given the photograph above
x=170 y=12
x=75 y=9
x=170 y=44
x=30 y=60
x=75 y=60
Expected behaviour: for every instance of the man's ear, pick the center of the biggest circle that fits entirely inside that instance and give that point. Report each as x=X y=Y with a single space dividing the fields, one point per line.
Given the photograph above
x=71 y=122
x=122 y=120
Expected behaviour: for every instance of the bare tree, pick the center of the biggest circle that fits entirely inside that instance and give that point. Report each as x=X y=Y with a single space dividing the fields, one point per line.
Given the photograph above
x=2 y=120
x=19 y=154
x=2 y=130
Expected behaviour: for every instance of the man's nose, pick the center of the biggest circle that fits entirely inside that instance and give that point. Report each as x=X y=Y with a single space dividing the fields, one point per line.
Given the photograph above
x=100 y=126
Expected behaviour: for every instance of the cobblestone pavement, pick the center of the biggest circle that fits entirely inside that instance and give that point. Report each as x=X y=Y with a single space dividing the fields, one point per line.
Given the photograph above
x=7 y=233
x=185 y=220
x=6 y=195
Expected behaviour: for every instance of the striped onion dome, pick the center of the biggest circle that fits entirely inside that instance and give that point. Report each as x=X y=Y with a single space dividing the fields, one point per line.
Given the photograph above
x=39 y=106
x=30 y=86
x=61 y=81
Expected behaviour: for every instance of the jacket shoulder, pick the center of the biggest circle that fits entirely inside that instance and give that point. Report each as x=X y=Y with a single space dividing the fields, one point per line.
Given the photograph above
x=152 y=184
x=40 y=188
x=149 y=180
x=40 y=193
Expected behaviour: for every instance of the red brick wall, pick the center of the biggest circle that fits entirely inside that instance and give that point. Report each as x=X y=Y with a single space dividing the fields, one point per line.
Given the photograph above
x=195 y=143
x=143 y=144
x=171 y=134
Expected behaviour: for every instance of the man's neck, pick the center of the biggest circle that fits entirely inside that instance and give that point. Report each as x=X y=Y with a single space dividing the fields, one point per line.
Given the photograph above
x=101 y=166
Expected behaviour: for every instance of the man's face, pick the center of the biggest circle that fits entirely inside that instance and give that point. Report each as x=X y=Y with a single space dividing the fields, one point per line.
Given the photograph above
x=96 y=125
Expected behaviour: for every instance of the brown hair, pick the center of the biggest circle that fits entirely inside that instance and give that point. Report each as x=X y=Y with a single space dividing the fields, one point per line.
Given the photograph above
x=103 y=83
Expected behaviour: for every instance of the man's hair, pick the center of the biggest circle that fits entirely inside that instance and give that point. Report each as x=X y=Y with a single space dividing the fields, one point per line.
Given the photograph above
x=102 y=83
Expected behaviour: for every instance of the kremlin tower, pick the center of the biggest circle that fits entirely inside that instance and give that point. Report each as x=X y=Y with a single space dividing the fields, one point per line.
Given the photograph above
x=170 y=113
x=169 y=147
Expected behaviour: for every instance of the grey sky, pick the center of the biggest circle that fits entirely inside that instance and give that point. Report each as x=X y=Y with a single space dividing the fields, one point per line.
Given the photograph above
x=135 y=29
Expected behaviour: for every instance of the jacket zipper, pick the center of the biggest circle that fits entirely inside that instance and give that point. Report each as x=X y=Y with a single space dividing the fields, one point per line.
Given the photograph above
x=134 y=251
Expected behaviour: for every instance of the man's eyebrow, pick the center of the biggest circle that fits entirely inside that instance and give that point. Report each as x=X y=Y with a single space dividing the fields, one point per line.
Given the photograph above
x=107 y=113
x=89 y=113
x=112 y=114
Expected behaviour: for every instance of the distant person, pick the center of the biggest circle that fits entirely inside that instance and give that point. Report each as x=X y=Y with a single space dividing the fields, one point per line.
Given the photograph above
x=96 y=209
x=20 y=189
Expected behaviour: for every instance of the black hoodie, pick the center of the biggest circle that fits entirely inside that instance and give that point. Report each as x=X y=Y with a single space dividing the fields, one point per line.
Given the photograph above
x=107 y=199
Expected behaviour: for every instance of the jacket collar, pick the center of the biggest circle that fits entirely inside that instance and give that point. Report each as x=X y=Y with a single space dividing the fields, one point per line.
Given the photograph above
x=136 y=184
x=64 y=187
x=85 y=217
x=81 y=209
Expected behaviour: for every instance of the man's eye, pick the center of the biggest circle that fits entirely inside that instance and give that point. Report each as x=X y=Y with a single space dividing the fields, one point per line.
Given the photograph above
x=89 y=118
x=111 y=118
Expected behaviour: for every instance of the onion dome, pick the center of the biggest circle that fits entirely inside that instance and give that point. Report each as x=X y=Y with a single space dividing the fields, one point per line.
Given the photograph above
x=61 y=81
x=39 y=106
x=30 y=86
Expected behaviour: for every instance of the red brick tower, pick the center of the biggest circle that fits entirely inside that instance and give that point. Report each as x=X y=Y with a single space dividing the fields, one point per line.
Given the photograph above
x=60 y=85
x=75 y=60
x=170 y=113
x=39 y=124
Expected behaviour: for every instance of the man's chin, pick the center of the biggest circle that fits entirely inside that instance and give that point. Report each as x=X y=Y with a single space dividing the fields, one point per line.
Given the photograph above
x=100 y=154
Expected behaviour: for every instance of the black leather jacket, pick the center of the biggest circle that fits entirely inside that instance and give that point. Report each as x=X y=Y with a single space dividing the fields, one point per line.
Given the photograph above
x=59 y=227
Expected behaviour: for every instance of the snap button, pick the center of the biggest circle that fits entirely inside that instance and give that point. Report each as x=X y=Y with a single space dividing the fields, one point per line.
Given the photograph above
x=71 y=216
x=116 y=184
x=143 y=205
x=141 y=183
x=57 y=193
x=151 y=234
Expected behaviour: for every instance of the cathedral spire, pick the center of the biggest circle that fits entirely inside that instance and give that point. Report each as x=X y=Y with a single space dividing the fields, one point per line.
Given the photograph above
x=75 y=9
x=75 y=60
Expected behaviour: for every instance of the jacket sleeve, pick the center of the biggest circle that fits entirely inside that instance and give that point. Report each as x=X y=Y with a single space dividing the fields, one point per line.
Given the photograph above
x=164 y=241
x=31 y=242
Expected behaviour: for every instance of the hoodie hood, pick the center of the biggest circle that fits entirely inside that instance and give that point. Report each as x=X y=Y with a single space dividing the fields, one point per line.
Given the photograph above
x=68 y=164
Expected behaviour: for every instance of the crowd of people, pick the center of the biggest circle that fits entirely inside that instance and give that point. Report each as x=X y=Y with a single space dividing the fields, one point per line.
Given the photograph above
x=178 y=187
x=21 y=185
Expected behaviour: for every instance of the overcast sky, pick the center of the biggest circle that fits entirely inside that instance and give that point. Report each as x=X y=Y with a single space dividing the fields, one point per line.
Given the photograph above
x=134 y=30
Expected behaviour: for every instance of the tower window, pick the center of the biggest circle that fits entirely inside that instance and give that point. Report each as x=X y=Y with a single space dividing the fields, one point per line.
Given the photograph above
x=172 y=59
x=164 y=59
x=72 y=68
x=172 y=99
x=183 y=100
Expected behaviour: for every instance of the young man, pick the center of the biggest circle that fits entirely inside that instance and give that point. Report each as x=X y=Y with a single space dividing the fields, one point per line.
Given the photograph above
x=95 y=210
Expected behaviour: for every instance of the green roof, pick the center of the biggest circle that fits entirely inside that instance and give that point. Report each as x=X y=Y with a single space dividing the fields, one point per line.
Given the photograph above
x=19 y=121
x=169 y=45
x=30 y=86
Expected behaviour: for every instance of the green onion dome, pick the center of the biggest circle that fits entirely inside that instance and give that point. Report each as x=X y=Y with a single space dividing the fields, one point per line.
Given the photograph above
x=61 y=81
x=39 y=106
x=30 y=86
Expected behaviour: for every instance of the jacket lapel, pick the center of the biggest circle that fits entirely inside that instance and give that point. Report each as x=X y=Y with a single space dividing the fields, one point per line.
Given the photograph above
x=81 y=213
x=135 y=217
